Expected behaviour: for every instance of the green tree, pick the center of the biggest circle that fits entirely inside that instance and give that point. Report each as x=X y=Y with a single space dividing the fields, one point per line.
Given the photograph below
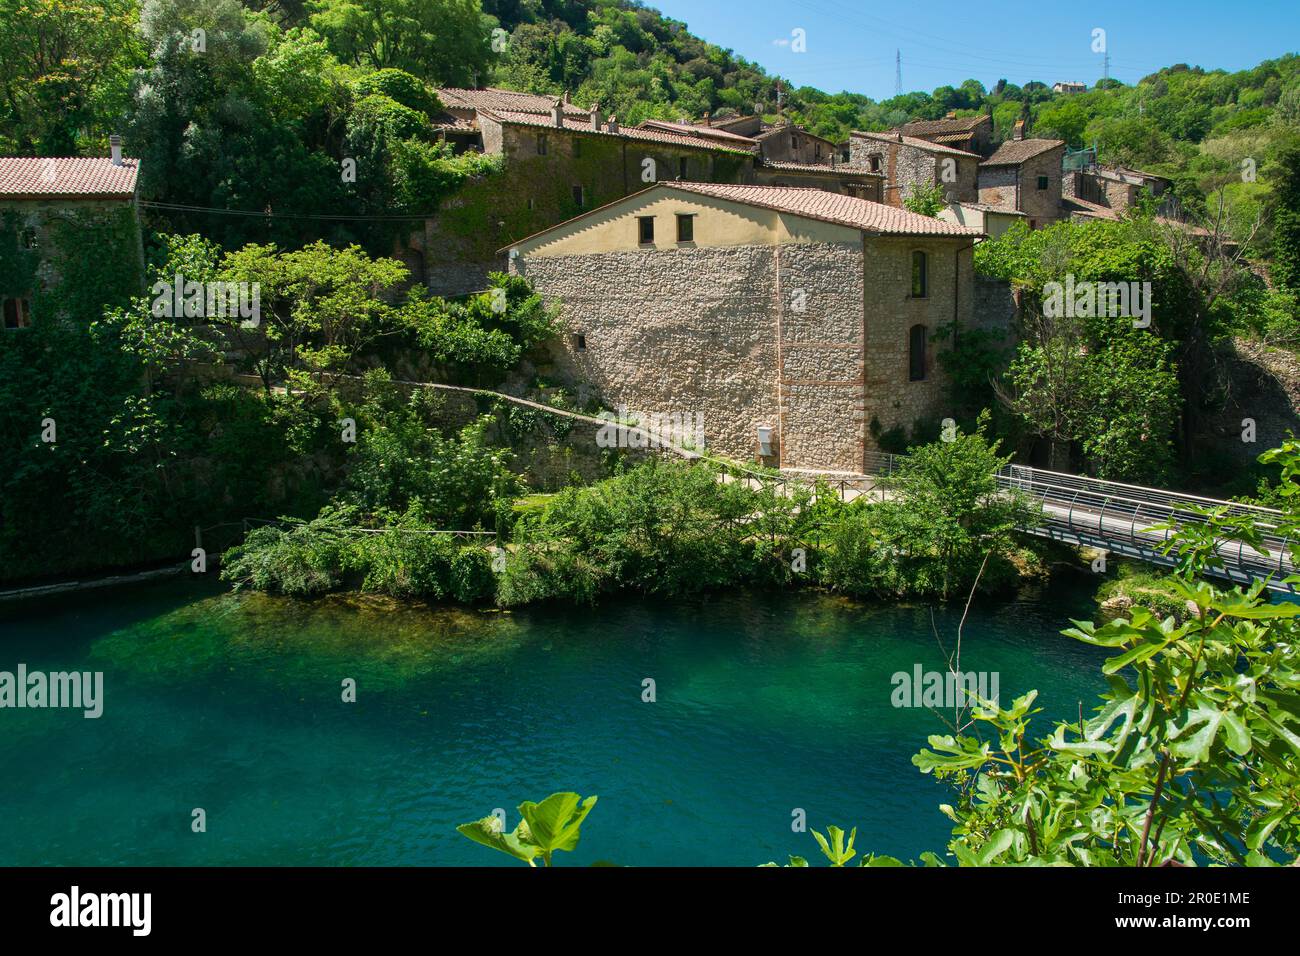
x=444 y=42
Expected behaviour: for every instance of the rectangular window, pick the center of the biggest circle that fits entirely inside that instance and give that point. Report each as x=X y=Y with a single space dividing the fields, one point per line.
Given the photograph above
x=541 y=144
x=1042 y=182
x=577 y=196
x=685 y=227
x=916 y=354
x=577 y=148
x=646 y=230
x=28 y=239
x=16 y=313
x=681 y=168
x=579 y=343
x=919 y=277
x=817 y=150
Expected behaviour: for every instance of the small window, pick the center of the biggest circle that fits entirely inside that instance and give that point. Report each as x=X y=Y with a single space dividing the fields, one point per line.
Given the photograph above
x=577 y=196
x=794 y=141
x=16 y=313
x=916 y=339
x=685 y=227
x=579 y=343
x=875 y=164
x=919 y=277
x=28 y=239
x=541 y=144
x=1042 y=182
x=681 y=168
x=1033 y=224
x=577 y=148
x=817 y=150
x=646 y=230
x=532 y=203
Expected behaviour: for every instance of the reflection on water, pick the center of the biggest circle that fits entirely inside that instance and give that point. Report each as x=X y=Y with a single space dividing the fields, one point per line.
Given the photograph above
x=765 y=703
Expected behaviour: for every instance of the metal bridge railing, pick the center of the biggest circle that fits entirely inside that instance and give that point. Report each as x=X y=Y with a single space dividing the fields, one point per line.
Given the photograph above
x=1122 y=517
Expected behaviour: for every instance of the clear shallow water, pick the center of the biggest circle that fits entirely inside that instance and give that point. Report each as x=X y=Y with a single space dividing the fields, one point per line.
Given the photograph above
x=232 y=703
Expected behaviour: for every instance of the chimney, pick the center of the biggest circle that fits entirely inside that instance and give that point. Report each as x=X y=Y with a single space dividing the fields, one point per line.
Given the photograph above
x=557 y=114
x=1018 y=132
x=613 y=123
x=595 y=116
x=708 y=119
x=566 y=97
x=951 y=114
x=115 y=145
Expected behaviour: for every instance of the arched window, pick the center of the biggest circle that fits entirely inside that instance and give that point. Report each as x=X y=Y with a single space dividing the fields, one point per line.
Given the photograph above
x=919 y=277
x=916 y=339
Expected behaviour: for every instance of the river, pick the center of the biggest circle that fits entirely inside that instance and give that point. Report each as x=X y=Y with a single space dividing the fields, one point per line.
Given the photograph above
x=232 y=703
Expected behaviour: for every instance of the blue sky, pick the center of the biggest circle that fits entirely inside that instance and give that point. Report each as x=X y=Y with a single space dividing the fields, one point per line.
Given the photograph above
x=851 y=43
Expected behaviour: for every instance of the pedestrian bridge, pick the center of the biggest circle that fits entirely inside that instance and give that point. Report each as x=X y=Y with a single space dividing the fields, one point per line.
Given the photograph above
x=1121 y=519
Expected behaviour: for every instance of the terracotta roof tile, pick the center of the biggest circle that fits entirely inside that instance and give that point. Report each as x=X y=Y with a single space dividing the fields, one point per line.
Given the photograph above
x=938 y=127
x=1090 y=209
x=840 y=169
x=77 y=176
x=831 y=207
x=693 y=130
x=1016 y=151
x=497 y=99
x=574 y=125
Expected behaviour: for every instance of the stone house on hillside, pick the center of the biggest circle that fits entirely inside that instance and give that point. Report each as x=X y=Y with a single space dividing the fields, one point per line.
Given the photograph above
x=971 y=134
x=907 y=162
x=1024 y=175
x=560 y=161
x=1099 y=191
x=790 y=318
x=47 y=201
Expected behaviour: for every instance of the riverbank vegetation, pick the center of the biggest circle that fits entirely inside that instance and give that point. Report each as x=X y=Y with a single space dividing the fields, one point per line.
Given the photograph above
x=937 y=528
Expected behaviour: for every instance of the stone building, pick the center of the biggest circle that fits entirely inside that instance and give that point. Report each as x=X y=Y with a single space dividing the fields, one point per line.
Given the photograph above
x=971 y=134
x=789 y=318
x=559 y=161
x=1024 y=175
x=45 y=203
x=908 y=162
x=1098 y=191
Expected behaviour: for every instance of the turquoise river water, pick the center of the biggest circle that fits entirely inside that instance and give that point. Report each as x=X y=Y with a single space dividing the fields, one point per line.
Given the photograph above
x=232 y=703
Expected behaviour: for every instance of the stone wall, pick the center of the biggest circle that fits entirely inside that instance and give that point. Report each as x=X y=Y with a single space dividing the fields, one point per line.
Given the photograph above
x=706 y=330
x=1042 y=206
x=995 y=304
x=890 y=313
x=999 y=186
x=906 y=166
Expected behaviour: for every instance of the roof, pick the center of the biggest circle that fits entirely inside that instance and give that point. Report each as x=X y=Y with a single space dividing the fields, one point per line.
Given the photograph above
x=832 y=207
x=1016 y=151
x=693 y=130
x=810 y=203
x=1083 y=207
x=84 y=177
x=913 y=141
x=989 y=207
x=770 y=131
x=963 y=124
x=574 y=125
x=493 y=98
x=843 y=169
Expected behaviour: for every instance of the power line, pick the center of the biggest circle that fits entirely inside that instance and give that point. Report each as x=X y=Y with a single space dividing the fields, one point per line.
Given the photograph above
x=183 y=207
